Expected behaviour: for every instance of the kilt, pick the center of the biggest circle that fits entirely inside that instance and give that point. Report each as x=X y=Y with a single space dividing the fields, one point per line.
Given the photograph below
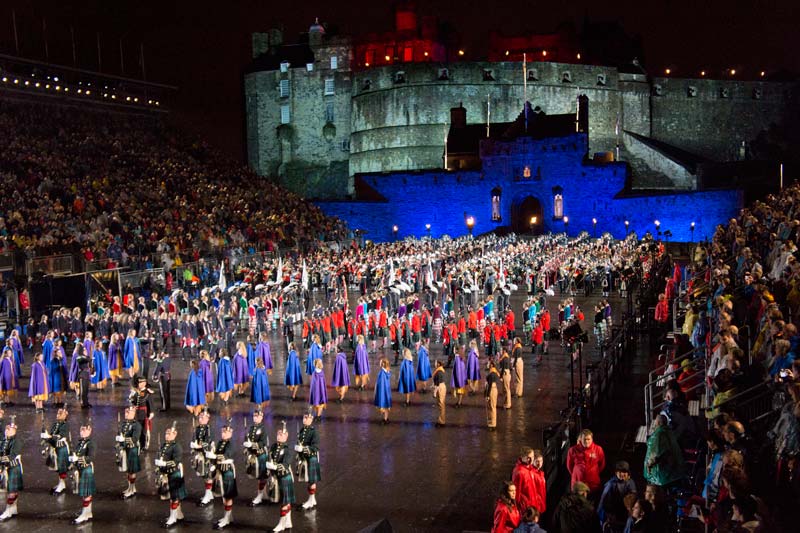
x=229 y=489
x=62 y=459
x=263 y=473
x=415 y=337
x=314 y=474
x=14 y=479
x=334 y=332
x=132 y=455
x=177 y=487
x=86 y=485
x=323 y=337
x=286 y=484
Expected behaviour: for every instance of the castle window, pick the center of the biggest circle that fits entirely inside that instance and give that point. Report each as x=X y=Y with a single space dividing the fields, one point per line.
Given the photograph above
x=533 y=74
x=691 y=92
x=400 y=77
x=345 y=145
x=526 y=172
x=284 y=66
x=487 y=75
x=444 y=74
x=408 y=54
x=566 y=77
x=496 y=192
x=329 y=116
x=366 y=86
x=283 y=88
x=334 y=62
x=724 y=93
x=601 y=79
x=558 y=206
x=285 y=114
x=329 y=87
x=758 y=92
x=309 y=67
x=658 y=90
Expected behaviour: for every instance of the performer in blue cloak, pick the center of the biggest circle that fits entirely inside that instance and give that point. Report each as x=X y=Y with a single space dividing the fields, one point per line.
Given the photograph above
x=57 y=374
x=318 y=395
x=47 y=348
x=259 y=389
x=195 y=397
x=264 y=353
x=423 y=365
x=383 y=390
x=314 y=353
x=294 y=377
x=406 y=384
x=341 y=376
x=458 y=381
x=473 y=367
x=361 y=366
x=224 y=377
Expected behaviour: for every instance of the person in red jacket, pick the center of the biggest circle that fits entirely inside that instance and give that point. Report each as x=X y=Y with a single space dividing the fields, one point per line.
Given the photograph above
x=537 y=339
x=545 y=320
x=529 y=480
x=506 y=515
x=662 y=310
x=510 y=326
x=585 y=461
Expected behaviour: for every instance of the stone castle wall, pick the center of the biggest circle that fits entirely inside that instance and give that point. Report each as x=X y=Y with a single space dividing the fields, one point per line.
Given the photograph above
x=395 y=117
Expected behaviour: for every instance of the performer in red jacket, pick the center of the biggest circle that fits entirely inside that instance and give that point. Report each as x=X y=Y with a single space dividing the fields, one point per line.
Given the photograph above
x=585 y=461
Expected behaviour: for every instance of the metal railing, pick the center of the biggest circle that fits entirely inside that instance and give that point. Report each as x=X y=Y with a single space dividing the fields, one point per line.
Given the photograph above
x=50 y=264
x=751 y=404
x=658 y=377
x=557 y=440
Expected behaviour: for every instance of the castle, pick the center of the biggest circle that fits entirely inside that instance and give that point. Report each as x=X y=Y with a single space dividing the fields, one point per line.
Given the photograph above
x=324 y=115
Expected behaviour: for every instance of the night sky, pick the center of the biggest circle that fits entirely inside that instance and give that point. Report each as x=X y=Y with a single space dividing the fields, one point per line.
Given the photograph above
x=202 y=46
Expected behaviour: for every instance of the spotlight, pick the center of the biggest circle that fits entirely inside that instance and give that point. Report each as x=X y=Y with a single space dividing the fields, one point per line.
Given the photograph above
x=461 y=52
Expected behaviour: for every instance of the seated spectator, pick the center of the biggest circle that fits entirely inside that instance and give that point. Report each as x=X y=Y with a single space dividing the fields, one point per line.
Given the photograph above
x=640 y=517
x=724 y=389
x=716 y=448
x=744 y=517
x=611 y=509
x=530 y=522
x=660 y=521
x=574 y=513
x=783 y=358
x=664 y=464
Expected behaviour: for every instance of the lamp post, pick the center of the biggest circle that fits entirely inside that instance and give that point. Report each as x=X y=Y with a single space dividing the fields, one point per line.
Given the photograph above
x=658 y=227
x=395 y=229
x=627 y=224
x=428 y=229
x=691 y=229
x=470 y=224
x=533 y=224
x=566 y=224
x=594 y=228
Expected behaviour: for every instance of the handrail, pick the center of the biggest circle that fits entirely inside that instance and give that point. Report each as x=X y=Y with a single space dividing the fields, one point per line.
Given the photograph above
x=764 y=384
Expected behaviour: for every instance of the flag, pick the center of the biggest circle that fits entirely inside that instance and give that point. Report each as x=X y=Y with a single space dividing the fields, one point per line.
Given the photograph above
x=279 y=272
x=391 y=272
x=222 y=283
x=304 y=276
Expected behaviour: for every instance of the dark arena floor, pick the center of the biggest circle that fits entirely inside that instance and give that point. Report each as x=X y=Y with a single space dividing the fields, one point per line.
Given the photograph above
x=419 y=477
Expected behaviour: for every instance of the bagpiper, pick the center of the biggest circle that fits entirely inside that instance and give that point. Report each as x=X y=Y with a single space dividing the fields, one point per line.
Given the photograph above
x=83 y=476
x=170 y=483
x=307 y=449
x=140 y=398
x=225 y=481
x=280 y=464
x=11 y=468
x=55 y=448
x=202 y=446
x=130 y=431
x=257 y=446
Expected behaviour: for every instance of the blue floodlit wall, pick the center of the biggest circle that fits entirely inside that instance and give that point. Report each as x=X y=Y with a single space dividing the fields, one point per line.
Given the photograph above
x=589 y=190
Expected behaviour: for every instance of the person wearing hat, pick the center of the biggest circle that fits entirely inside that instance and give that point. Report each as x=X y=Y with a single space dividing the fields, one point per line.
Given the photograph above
x=130 y=432
x=202 y=444
x=225 y=480
x=256 y=446
x=440 y=393
x=170 y=474
x=490 y=393
x=82 y=459
x=307 y=449
x=140 y=398
x=611 y=509
x=574 y=512
x=163 y=377
x=11 y=466
x=280 y=464
x=58 y=449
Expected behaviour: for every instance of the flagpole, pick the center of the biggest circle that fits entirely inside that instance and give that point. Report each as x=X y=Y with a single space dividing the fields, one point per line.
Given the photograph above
x=16 y=36
x=44 y=34
x=488 y=115
x=74 y=54
x=525 y=87
x=99 y=56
